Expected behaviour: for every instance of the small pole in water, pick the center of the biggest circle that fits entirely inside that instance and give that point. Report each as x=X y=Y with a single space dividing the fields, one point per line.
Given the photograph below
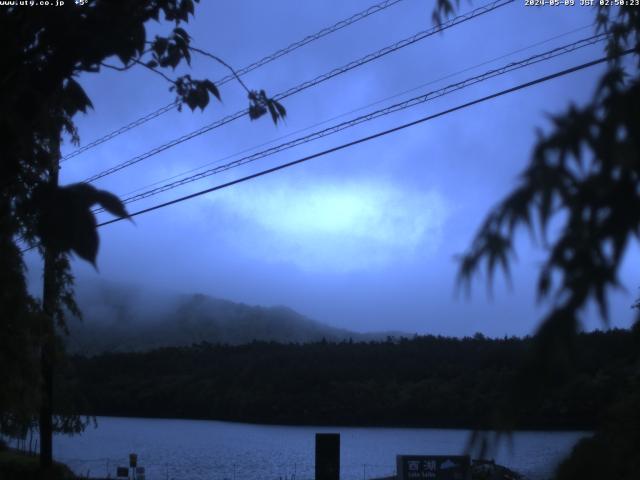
x=234 y=471
x=364 y=471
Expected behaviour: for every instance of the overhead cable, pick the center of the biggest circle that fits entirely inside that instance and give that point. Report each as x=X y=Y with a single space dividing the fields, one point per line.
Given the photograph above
x=263 y=61
x=308 y=84
x=343 y=146
x=412 y=102
x=355 y=110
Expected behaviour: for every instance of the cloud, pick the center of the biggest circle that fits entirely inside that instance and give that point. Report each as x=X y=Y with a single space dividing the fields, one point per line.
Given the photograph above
x=333 y=226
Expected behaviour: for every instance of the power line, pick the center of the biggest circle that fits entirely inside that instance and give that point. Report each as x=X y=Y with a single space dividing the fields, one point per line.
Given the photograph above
x=377 y=102
x=121 y=130
x=263 y=61
x=308 y=84
x=412 y=102
x=370 y=137
x=364 y=139
x=322 y=33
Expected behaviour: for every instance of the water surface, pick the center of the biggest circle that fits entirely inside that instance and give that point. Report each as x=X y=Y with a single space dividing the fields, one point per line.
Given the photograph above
x=211 y=450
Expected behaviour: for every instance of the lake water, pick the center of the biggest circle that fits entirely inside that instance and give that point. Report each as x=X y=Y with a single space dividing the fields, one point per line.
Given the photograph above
x=210 y=450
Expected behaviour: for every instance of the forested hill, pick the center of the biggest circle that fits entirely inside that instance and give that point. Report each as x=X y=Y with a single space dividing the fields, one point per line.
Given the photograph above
x=123 y=319
x=424 y=381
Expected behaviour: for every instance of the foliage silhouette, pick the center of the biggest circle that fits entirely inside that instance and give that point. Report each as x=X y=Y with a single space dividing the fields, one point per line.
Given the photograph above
x=583 y=182
x=44 y=51
x=19 y=327
x=584 y=174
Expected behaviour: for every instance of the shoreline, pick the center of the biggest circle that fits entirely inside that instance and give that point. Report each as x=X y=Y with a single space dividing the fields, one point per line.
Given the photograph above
x=352 y=425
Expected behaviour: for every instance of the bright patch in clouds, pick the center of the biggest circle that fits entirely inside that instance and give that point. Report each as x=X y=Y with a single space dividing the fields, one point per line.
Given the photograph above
x=334 y=226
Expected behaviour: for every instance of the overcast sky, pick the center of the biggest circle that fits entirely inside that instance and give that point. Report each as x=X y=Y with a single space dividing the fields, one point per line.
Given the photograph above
x=364 y=238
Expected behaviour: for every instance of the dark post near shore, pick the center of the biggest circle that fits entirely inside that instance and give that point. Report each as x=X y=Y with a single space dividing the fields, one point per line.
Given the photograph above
x=327 y=456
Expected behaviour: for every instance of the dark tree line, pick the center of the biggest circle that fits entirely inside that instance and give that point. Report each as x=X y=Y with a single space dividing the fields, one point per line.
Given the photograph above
x=424 y=381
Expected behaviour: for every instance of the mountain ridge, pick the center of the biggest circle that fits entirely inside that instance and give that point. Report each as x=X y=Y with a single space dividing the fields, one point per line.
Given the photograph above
x=120 y=319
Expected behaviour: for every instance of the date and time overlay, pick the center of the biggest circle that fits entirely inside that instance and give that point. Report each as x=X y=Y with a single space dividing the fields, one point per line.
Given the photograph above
x=581 y=3
x=526 y=3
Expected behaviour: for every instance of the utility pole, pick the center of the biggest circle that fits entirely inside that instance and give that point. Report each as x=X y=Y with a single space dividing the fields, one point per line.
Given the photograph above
x=47 y=347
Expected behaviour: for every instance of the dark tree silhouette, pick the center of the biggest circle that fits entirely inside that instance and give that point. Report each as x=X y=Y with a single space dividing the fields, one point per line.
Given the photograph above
x=44 y=50
x=424 y=381
x=584 y=176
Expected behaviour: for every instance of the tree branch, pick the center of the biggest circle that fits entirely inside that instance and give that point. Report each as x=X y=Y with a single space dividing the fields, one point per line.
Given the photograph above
x=157 y=72
x=223 y=63
x=113 y=67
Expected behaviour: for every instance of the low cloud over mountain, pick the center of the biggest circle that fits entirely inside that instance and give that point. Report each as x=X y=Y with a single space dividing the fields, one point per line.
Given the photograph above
x=118 y=319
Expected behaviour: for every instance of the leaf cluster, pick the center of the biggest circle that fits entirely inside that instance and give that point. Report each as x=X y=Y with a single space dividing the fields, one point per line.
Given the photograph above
x=582 y=182
x=261 y=104
x=45 y=55
x=65 y=221
x=44 y=52
x=443 y=10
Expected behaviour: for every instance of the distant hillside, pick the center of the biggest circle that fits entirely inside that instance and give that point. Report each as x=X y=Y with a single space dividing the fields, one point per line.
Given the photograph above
x=424 y=381
x=118 y=319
